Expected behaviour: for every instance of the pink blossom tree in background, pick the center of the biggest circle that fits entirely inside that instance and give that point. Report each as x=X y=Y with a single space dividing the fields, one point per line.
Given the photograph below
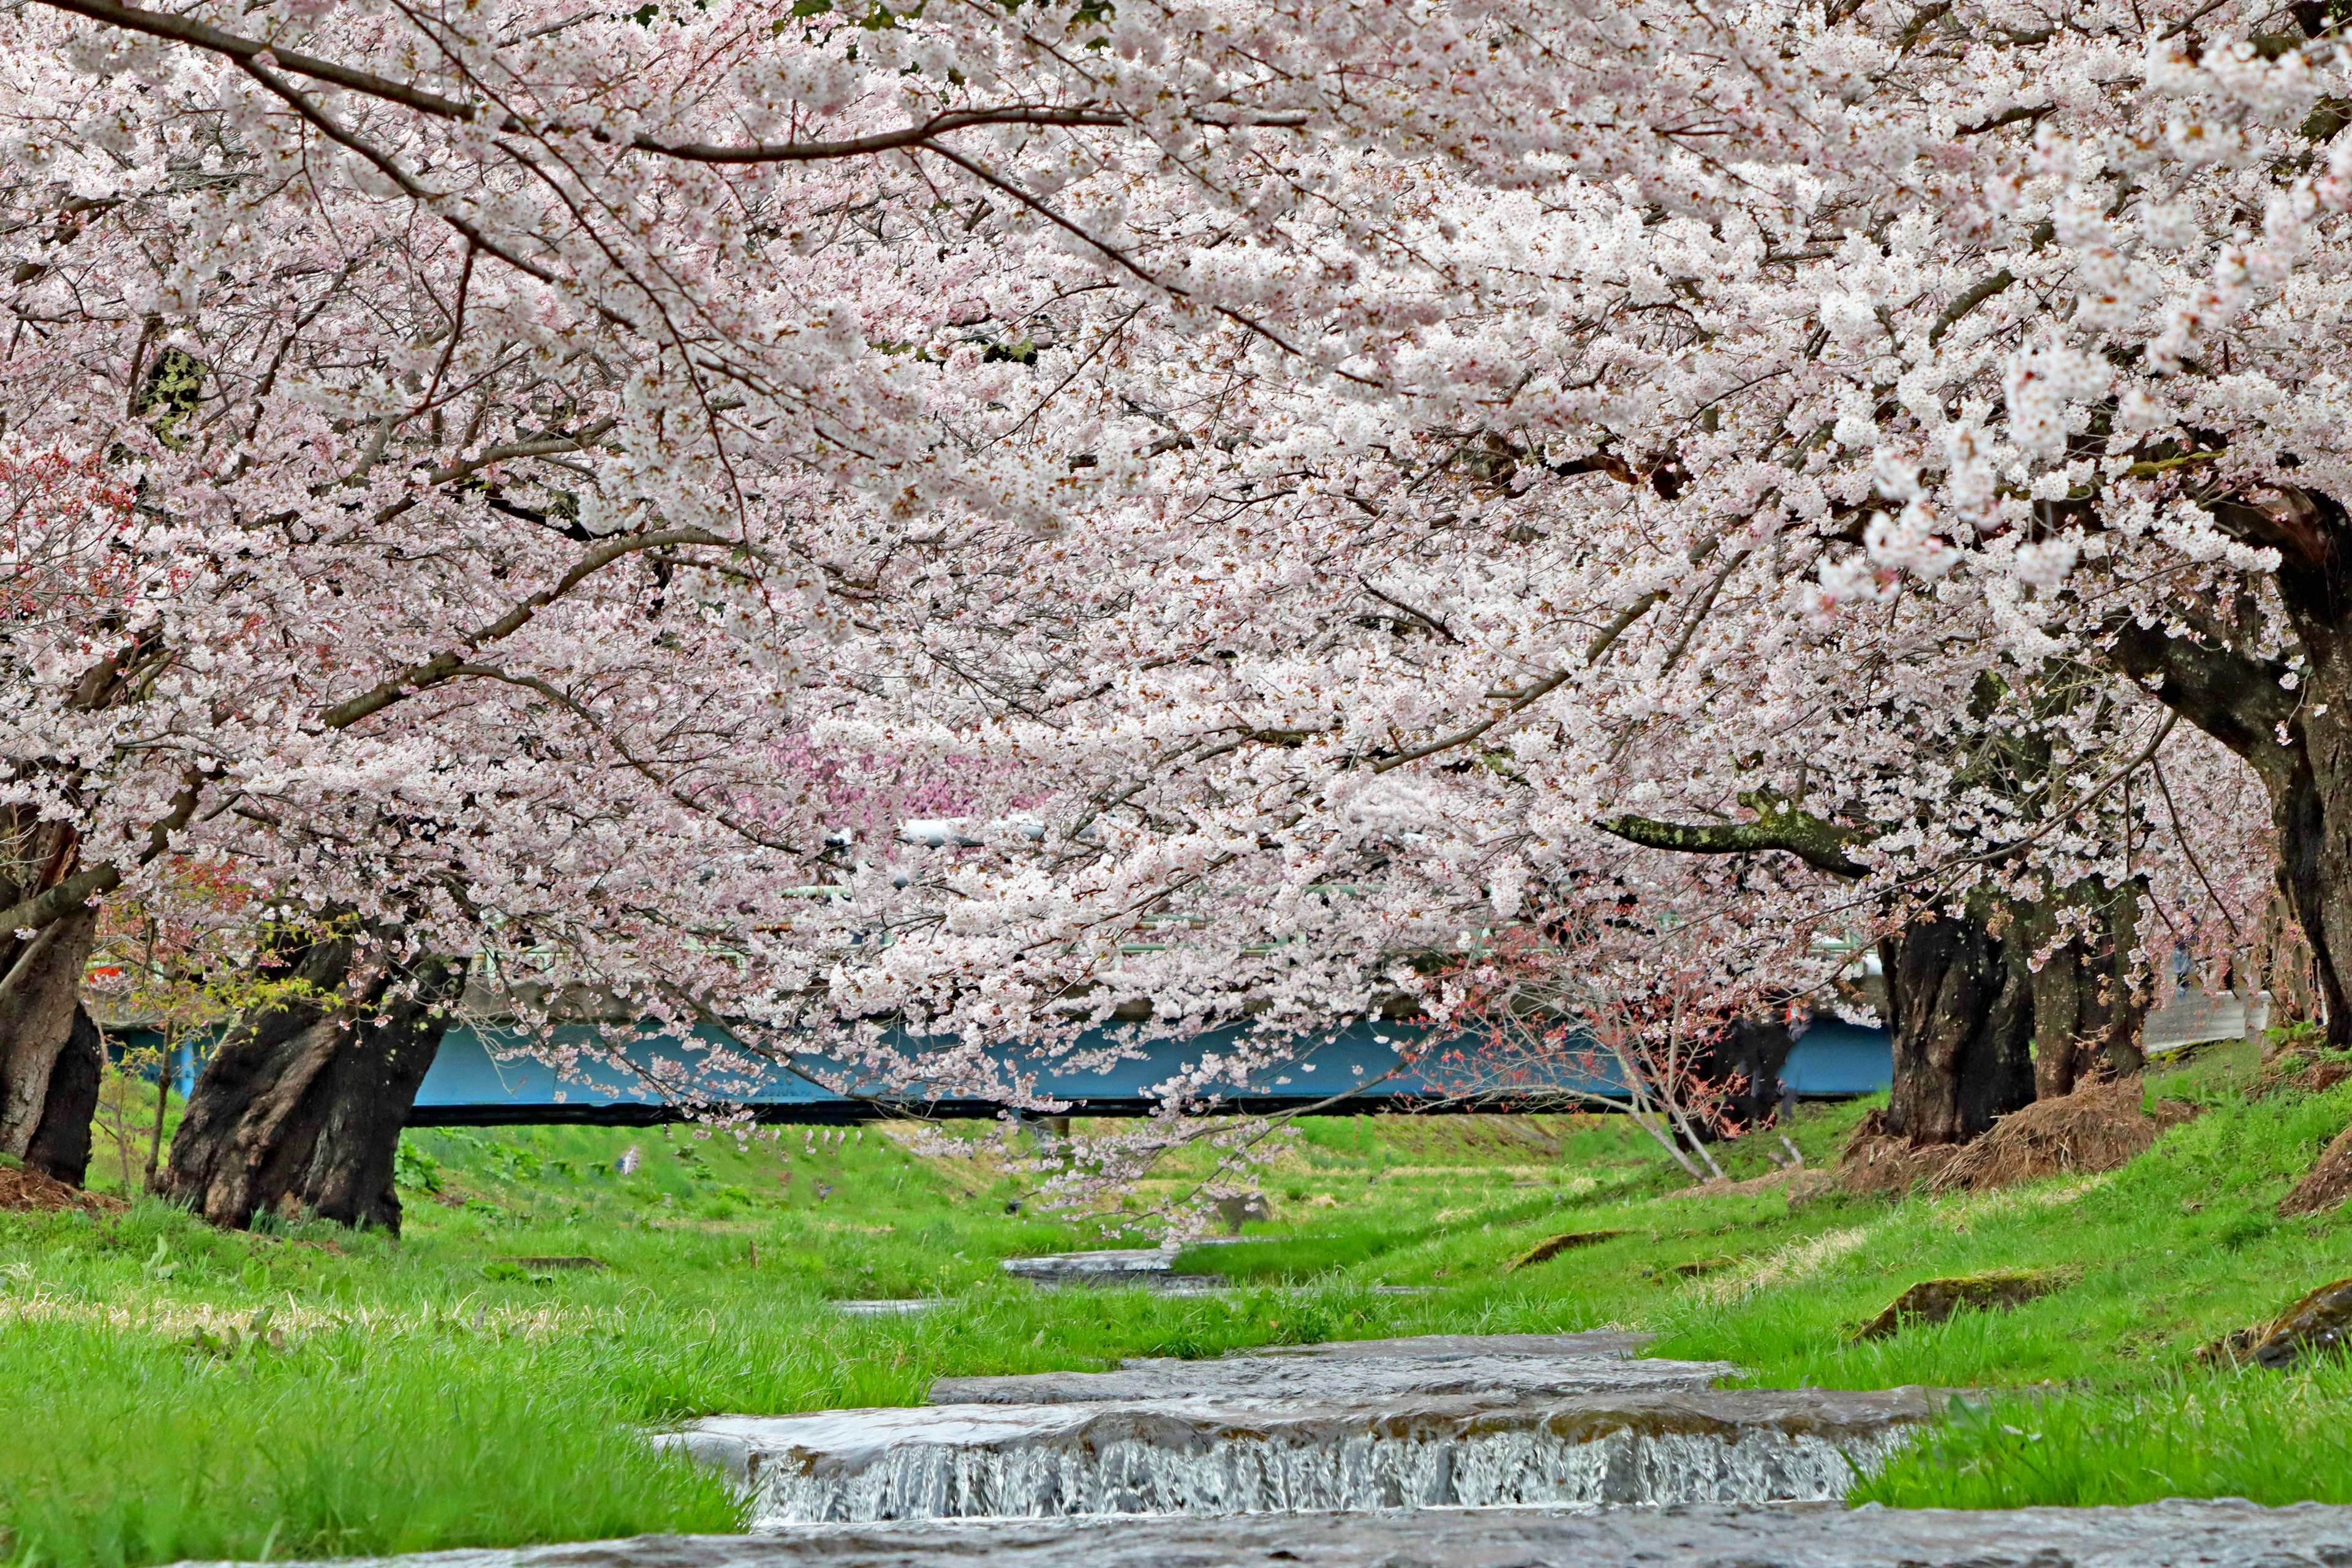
x=1272 y=477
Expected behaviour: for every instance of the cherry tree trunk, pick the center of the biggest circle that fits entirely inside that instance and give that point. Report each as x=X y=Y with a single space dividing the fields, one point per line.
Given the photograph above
x=1962 y=1019
x=40 y=995
x=300 y=1110
x=60 y=1144
x=2088 y=1019
x=2311 y=806
x=1745 y=1064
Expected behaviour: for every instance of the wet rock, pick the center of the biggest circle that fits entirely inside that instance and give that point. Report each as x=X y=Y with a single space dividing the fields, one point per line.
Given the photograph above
x=883 y=1307
x=2315 y=1326
x=1227 y=1456
x=1933 y=1300
x=2172 y=1534
x=1151 y=1267
x=1498 y=1368
x=2327 y=1183
x=1237 y=1209
x=1552 y=1246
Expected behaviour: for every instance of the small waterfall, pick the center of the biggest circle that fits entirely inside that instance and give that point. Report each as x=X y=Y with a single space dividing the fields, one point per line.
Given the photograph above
x=1446 y=1421
x=1255 y=1473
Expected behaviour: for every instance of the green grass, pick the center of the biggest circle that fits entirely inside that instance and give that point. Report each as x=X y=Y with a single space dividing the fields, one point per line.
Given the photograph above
x=350 y=1439
x=2257 y=1435
x=448 y=1391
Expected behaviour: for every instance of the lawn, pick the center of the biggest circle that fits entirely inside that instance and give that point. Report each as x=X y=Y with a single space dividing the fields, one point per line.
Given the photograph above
x=167 y=1391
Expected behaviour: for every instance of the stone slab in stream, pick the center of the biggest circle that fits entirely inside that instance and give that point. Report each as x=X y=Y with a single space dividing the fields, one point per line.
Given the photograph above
x=1151 y=1266
x=2172 y=1534
x=885 y=1306
x=1450 y=1422
x=1509 y=1366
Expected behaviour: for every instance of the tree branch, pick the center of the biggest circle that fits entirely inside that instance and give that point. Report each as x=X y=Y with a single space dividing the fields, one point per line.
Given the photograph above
x=249 y=51
x=1819 y=844
x=54 y=903
x=1969 y=300
x=446 y=664
x=2236 y=700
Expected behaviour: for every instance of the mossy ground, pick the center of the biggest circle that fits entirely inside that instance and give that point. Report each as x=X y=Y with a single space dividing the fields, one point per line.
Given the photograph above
x=168 y=1391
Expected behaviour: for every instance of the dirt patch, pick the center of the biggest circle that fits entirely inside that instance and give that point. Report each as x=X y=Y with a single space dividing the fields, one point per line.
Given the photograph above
x=2099 y=1127
x=2316 y=1325
x=1552 y=1246
x=1934 y=1300
x=2327 y=1183
x=1875 y=1161
x=26 y=1191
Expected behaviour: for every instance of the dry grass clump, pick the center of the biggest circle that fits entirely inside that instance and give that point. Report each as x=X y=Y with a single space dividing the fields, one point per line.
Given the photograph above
x=2327 y=1183
x=1876 y=1161
x=32 y=1191
x=2099 y=1127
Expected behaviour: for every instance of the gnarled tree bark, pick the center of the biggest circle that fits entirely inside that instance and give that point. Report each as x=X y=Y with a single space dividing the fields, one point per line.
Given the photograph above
x=2088 y=1020
x=40 y=994
x=300 y=1109
x=60 y=1144
x=1961 y=1006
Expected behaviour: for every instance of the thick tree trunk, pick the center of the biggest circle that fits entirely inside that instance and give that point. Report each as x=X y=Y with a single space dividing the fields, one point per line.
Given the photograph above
x=2311 y=808
x=1746 y=1061
x=40 y=994
x=1962 y=1009
x=2088 y=1020
x=300 y=1109
x=60 y=1144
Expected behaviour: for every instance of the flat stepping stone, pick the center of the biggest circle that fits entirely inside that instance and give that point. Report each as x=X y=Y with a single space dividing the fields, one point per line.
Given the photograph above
x=1505 y=1368
x=884 y=1307
x=1151 y=1267
x=2172 y=1534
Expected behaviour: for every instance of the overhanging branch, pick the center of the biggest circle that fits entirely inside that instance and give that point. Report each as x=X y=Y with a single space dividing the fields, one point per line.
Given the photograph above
x=251 y=52
x=1819 y=844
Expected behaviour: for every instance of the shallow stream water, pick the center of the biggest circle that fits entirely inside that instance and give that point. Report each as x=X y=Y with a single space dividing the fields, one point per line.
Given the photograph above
x=1448 y=1421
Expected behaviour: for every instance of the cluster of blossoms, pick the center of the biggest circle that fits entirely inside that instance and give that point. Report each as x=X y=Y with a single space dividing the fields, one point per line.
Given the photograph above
x=1259 y=482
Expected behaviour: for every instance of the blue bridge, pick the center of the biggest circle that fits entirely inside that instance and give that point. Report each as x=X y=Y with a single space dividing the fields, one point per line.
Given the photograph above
x=485 y=1079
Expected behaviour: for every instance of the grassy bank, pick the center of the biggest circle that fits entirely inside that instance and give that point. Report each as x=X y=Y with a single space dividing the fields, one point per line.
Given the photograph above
x=167 y=1391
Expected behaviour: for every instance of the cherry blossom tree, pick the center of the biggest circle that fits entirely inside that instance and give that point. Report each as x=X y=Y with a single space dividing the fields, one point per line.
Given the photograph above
x=1267 y=478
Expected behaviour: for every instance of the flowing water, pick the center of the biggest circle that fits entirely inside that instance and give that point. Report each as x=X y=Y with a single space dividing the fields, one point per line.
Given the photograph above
x=1444 y=1422
x=2226 y=1533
